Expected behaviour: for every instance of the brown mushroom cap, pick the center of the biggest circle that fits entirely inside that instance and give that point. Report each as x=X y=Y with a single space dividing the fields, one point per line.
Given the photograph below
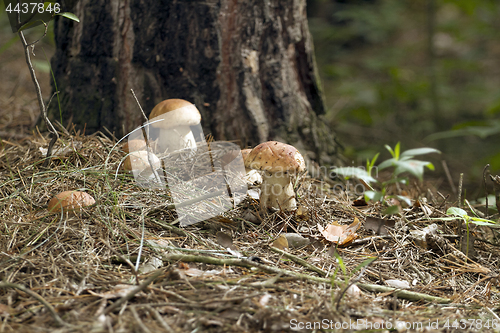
x=134 y=145
x=137 y=145
x=70 y=201
x=175 y=112
x=245 y=152
x=138 y=160
x=274 y=156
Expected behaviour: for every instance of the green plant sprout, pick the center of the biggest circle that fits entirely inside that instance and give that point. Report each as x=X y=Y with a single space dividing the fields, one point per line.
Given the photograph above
x=403 y=162
x=462 y=214
x=347 y=277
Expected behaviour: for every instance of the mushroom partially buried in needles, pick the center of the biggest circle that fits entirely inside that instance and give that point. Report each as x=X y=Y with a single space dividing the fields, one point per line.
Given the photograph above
x=139 y=164
x=138 y=144
x=176 y=116
x=70 y=201
x=279 y=162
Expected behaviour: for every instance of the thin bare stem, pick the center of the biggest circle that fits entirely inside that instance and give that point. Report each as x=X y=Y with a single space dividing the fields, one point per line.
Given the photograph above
x=41 y=104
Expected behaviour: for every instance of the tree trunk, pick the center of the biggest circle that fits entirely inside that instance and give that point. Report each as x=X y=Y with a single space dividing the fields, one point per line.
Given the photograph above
x=248 y=66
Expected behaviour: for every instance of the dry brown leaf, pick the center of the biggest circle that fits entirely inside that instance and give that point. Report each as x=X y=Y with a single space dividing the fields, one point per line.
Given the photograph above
x=359 y=202
x=378 y=225
x=120 y=290
x=341 y=234
x=226 y=241
x=302 y=213
x=281 y=242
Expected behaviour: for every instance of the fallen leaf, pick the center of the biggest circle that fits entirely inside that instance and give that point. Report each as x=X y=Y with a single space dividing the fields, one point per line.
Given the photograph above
x=419 y=236
x=398 y=284
x=341 y=234
x=302 y=212
x=226 y=241
x=379 y=225
x=281 y=242
x=359 y=202
x=118 y=291
x=153 y=264
x=195 y=272
x=295 y=240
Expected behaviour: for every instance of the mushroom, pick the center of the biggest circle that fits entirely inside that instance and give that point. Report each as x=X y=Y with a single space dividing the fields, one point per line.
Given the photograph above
x=70 y=201
x=279 y=162
x=140 y=165
x=252 y=177
x=176 y=116
x=137 y=144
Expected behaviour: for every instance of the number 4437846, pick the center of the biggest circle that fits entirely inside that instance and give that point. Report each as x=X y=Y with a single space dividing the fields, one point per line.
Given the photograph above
x=472 y=323
x=34 y=7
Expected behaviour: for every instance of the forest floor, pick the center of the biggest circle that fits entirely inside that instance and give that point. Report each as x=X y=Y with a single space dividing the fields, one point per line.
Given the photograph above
x=231 y=273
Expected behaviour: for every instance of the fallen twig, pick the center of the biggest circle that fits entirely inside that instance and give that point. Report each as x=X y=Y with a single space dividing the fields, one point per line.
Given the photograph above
x=410 y=295
x=300 y=261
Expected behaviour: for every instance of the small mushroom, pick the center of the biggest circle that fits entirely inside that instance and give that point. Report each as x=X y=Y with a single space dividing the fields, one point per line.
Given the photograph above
x=138 y=163
x=70 y=201
x=134 y=145
x=279 y=162
x=176 y=115
x=138 y=144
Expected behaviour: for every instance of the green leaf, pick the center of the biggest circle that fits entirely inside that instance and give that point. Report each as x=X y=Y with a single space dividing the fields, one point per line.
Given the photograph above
x=403 y=198
x=373 y=195
x=390 y=150
x=391 y=210
x=486 y=224
x=69 y=15
x=365 y=263
x=358 y=173
x=455 y=211
x=341 y=262
x=419 y=151
x=371 y=164
x=397 y=150
x=29 y=24
x=387 y=163
x=413 y=167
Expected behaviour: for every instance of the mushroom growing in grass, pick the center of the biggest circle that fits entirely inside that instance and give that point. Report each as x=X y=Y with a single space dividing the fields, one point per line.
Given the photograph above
x=138 y=144
x=176 y=116
x=70 y=201
x=279 y=162
x=134 y=145
x=138 y=163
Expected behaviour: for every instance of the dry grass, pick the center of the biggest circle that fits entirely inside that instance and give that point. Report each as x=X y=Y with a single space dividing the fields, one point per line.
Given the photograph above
x=80 y=265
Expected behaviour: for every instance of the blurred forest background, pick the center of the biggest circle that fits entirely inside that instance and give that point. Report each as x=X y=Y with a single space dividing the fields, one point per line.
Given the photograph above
x=423 y=72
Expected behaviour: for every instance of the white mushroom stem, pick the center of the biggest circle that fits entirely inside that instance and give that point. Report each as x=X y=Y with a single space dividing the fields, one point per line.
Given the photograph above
x=277 y=191
x=176 y=138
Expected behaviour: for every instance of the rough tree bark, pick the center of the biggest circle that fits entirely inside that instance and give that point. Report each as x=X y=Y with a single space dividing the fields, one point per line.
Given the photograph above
x=247 y=65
